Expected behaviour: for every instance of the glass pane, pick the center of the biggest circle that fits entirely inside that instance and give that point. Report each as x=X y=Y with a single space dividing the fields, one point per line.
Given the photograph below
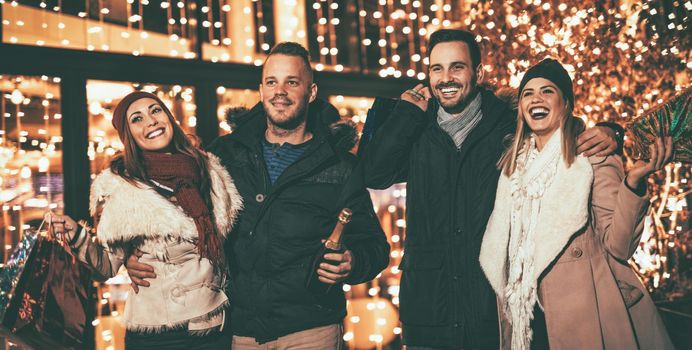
x=103 y=96
x=31 y=175
x=333 y=34
x=245 y=30
x=353 y=108
x=232 y=104
x=158 y=28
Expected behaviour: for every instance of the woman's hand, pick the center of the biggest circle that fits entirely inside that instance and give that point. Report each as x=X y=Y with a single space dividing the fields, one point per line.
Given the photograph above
x=660 y=154
x=62 y=225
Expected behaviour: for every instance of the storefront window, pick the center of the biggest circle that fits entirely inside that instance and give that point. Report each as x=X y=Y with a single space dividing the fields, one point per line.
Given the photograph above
x=233 y=103
x=31 y=172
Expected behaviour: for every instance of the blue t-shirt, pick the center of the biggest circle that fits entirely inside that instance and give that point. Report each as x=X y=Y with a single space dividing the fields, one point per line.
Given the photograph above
x=279 y=157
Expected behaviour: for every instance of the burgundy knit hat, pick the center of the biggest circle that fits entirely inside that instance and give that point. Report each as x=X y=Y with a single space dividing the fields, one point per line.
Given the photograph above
x=119 y=114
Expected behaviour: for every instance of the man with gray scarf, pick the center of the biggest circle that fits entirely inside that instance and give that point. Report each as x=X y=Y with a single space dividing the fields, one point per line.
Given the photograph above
x=446 y=148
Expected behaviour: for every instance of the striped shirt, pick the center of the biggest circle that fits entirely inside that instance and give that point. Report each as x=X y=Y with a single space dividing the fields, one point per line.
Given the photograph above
x=279 y=157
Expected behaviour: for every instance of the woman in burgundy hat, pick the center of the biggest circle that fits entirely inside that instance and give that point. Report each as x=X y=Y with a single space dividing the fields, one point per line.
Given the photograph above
x=175 y=204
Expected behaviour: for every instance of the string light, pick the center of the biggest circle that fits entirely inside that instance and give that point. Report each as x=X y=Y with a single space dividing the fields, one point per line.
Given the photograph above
x=616 y=54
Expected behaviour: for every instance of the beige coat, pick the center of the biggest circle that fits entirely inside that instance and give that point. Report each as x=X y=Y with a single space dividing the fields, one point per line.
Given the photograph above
x=187 y=292
x=591 y=297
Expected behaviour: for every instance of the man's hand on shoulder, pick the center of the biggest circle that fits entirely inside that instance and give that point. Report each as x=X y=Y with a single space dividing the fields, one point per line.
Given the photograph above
x=599 y=141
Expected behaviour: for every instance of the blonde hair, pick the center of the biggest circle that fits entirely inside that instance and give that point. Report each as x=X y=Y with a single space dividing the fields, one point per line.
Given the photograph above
x=570 y=126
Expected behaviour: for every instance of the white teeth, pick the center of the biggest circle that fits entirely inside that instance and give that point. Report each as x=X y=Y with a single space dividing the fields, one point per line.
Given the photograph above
x=154 y=133
x=538 y=110
x=449 y=90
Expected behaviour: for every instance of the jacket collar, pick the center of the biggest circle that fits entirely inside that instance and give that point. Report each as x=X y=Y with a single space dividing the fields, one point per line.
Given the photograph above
x=494 y=112
x=321 y=114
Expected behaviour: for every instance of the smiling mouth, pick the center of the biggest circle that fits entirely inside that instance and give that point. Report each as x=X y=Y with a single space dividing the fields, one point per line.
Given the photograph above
x=281 y=103
x=538 y=113
x=155 y=133
x=449 y=91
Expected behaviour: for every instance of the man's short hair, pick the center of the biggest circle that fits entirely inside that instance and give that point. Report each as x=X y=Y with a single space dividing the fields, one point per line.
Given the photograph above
x=449 y=35
x=290 y=48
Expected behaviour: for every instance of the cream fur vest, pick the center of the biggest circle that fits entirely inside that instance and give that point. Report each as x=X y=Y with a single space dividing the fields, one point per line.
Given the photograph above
x=187 y=292
x=139 y=211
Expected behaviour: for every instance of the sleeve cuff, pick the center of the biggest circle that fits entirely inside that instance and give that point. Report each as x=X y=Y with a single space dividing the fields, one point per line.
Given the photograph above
x=79 y=238
x=408 y=108
x=619 y=134
x=640 y=191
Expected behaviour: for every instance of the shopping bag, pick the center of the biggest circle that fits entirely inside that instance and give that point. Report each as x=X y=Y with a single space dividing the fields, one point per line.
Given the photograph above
x=13 y=268
x=52 y=303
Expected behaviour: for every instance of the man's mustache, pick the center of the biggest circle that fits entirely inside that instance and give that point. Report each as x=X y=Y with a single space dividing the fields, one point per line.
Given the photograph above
x=280 y=99
x=449 y=84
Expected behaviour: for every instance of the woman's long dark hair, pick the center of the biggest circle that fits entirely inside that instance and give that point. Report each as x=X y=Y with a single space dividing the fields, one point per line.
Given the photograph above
x=129 y=164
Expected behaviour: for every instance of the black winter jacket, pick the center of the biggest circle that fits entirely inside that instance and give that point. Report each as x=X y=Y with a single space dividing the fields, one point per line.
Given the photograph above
x=282 y=225
x=445 y=300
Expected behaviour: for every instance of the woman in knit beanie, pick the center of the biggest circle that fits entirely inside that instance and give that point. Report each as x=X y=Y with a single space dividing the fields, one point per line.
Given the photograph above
x=556 y=247
x=175 y=204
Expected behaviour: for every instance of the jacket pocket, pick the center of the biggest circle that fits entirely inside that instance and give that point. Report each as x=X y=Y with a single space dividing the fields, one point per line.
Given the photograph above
x=630 y=294
x=424 y=289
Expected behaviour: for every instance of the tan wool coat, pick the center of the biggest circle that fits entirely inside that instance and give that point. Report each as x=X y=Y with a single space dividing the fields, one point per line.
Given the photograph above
x=591 y=297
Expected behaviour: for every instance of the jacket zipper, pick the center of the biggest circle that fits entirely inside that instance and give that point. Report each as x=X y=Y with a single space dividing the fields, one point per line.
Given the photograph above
x=275 y=189
x=265 y=179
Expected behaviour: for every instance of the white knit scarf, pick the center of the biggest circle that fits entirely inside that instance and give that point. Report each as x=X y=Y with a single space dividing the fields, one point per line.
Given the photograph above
x=534 y=174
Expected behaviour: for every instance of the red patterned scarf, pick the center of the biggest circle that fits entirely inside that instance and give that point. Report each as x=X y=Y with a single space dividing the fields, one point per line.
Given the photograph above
x=181 y=173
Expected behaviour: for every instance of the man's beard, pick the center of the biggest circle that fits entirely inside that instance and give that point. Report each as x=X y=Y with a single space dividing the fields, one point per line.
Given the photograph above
x=463 y=101
x=291 y=122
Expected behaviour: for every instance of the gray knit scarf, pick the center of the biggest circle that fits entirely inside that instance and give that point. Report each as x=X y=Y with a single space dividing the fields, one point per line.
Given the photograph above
x=459 y=126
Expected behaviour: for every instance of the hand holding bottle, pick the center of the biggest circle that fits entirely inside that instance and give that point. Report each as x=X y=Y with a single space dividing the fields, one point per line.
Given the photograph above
x=336 y=267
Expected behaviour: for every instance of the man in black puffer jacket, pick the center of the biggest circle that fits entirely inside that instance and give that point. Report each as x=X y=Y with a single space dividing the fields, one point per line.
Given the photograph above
x=290 y=167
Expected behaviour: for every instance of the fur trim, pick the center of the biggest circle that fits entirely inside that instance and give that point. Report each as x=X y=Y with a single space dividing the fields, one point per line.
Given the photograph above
x=564 y=212
x=345 y=134
x=225 y=198
x=131 y=211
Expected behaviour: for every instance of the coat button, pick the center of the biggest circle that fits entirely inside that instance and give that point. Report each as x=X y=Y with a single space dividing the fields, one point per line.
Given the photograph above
x=577 y=252
x=259 y=198
x=177 y=292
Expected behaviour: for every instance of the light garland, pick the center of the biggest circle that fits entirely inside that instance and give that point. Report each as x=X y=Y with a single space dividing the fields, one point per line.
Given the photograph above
x=625 y=58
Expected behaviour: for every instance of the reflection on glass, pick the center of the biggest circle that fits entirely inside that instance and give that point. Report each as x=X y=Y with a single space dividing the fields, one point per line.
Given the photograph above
x=232 y=30
x=31 y=173
x=354 y=109
x=233 y=103
x=161 y=28
x=103 y=96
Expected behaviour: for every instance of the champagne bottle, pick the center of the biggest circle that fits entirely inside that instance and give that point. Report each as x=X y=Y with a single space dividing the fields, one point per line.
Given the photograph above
x=331 y=245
